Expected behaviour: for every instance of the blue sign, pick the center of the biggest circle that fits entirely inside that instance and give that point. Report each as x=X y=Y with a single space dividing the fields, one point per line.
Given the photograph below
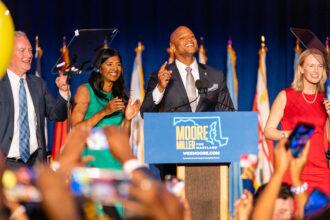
x=200 y=137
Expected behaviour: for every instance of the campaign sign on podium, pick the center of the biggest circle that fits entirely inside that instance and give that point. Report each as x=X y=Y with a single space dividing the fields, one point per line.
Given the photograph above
x=200 y=137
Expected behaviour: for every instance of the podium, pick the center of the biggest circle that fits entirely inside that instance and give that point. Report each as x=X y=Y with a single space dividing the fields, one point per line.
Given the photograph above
x=202 y=145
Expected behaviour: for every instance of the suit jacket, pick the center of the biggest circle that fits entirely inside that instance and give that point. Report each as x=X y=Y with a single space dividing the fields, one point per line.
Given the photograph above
x=175 y=97
x=44 y=105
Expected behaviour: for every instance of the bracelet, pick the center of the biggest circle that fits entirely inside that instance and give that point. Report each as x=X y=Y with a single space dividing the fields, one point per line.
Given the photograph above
x=299 y=189
x=18 y=211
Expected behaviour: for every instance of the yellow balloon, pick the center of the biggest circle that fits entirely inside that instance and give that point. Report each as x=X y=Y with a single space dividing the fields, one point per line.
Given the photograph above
x=6 y=38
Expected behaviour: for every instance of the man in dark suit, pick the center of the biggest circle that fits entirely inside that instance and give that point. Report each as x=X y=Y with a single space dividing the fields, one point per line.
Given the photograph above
x=24 y=103
x=167 y=88
x=172 y=88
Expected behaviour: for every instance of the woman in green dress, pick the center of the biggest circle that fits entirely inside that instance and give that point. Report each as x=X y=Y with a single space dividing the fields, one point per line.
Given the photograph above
x=101 y=102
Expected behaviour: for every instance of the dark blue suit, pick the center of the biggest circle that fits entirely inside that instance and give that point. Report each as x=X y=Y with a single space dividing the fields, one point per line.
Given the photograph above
x=175 y=98
x=44 y=105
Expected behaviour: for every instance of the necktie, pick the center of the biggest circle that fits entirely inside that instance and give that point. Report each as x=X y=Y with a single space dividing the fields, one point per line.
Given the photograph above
x=24 y=131
x=191 y=89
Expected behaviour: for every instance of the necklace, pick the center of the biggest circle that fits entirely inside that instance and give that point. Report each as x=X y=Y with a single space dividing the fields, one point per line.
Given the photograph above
x=310 y=102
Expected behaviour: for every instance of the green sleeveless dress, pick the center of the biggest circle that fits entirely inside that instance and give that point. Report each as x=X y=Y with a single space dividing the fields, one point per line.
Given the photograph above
x=103 y=158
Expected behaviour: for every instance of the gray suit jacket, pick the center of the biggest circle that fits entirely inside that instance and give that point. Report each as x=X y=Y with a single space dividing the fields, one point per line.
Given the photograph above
x=44 y=104
x=175 y=98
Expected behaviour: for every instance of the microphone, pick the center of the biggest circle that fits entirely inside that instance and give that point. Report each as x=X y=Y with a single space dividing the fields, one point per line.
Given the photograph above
x=202 y=86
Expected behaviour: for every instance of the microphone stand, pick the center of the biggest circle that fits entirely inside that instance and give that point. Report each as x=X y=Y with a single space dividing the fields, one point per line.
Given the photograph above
x=202 y=86
x=188 y=103
x=68 y=102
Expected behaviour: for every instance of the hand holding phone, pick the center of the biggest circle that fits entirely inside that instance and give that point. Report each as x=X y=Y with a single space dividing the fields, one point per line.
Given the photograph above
x=103 y=185
x=316 y=202
x=97 y=140
x=20 y=185
x=298 y=138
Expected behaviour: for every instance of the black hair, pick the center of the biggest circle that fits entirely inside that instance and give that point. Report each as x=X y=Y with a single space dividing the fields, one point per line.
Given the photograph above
x=96 y=81
x=283 y=194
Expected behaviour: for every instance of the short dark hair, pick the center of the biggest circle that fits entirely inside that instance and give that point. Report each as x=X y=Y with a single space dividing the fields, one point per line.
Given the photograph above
x=96 y=81
x=283 y=194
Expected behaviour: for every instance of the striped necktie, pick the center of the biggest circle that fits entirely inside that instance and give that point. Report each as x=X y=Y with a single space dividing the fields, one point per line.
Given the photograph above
x=24 y=131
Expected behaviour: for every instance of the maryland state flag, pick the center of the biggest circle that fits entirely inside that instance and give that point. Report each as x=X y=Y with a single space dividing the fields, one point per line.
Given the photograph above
x=265 y=166
x=171 y=56
x=297 y=52
x=137 y=92
x=60 y=130
x=201 y=52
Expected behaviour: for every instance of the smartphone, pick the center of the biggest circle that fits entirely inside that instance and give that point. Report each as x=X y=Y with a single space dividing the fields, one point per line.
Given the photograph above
x=103 y=185
x=97 y=140
x=298 y=138
x=316 y=202
x=20 y=185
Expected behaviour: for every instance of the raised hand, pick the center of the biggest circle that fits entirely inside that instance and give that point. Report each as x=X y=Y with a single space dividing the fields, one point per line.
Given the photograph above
x=164 y=76
x=113 y=105
x=297 y=165
x=282 y=157
x=70 y=156
x=118 y=140
x=152 y=199
x=61 y=82
x=244 y=205
x=326 y=103
x=132 y=110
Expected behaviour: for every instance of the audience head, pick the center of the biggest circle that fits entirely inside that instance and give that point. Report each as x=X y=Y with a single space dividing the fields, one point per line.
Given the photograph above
x=311 y=68
x=108 y=67
x=284 y=203
x=22 y=55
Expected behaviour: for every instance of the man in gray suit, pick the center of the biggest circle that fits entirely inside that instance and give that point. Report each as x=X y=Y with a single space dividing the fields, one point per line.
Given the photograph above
x=24 y=103
x=168 y=87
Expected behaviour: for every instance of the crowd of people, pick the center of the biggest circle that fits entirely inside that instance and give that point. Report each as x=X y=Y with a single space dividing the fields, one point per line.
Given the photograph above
x=102 y=103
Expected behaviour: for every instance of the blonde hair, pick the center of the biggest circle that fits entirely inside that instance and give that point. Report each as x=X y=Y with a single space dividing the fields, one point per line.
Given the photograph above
x=298 y=82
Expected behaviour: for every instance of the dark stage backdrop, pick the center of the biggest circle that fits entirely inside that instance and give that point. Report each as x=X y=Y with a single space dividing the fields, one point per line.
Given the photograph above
x=152 y=21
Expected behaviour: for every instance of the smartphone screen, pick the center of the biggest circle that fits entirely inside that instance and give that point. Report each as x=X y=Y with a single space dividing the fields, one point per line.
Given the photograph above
x=20 y=185
x=298 y=138
x=316 y=202
x=97 y=140
x=103 y=185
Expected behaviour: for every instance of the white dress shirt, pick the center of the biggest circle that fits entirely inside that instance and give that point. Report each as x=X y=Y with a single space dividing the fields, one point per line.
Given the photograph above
x=14 y=147
x=158 y=96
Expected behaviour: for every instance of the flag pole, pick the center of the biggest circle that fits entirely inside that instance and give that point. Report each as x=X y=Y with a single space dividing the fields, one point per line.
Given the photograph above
x=65 y=57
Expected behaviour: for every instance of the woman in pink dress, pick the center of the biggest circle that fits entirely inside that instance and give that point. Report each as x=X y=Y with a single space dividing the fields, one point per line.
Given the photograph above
x=303 y=102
